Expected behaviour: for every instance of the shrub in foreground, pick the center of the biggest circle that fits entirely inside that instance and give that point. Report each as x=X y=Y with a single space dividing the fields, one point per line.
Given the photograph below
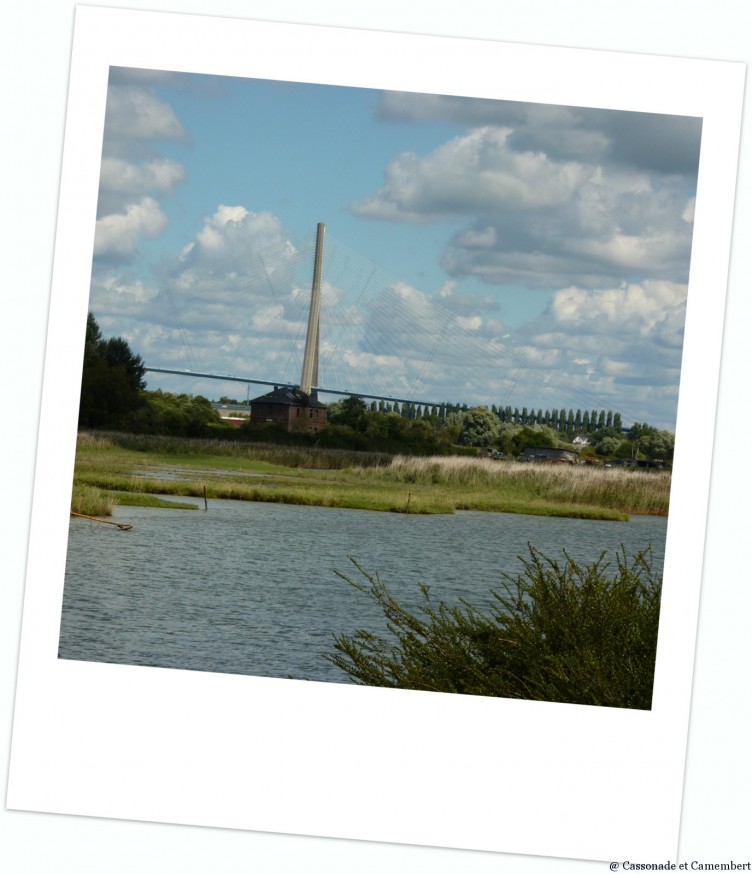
x=557 y=631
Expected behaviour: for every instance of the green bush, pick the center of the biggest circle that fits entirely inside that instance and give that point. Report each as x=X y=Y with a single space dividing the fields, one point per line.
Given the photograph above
x=558 y=631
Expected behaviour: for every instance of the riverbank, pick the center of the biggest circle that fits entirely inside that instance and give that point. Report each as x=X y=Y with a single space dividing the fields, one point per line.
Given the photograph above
x=120 y=467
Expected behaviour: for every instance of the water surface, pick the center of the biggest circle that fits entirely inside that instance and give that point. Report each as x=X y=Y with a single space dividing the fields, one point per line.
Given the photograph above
x=251 y=588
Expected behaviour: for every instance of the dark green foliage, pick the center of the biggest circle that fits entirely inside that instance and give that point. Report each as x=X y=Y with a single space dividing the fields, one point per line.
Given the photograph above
x=538 y=436
x=479 y=427
x=180 y=415
x=111 y=380
x=558 y=631
x=350 y=411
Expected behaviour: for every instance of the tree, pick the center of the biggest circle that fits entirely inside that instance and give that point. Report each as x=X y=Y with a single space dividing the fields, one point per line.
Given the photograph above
x=112 y=380
x=479 y=427
x=349 y=411
x=658 y=445
x=609 y=446
x=535 y=435
x=117 y=353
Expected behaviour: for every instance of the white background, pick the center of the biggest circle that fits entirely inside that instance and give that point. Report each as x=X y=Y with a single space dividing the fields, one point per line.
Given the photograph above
x=35 y=53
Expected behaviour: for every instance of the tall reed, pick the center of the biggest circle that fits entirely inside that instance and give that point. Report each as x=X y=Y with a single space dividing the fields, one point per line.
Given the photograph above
x=630 y=490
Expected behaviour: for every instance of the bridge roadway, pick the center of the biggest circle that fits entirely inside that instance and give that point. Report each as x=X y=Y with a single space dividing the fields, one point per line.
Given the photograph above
x=331 y=391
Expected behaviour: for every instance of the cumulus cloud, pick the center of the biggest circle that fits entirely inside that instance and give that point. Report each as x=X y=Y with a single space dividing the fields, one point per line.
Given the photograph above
x=117 y=235
x=135 y=114
x=538 y=221
x=234 y=299
x=133 y=175
x=472 y=173
x=133 y=180
x=603 y=340
x=547 y=196
x=648 y=142
x=595 y=207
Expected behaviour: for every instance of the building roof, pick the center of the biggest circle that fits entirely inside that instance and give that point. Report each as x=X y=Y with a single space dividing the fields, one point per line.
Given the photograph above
x=287 y=396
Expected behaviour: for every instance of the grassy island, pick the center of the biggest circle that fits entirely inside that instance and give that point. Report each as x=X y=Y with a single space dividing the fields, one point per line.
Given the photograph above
x=125 y=468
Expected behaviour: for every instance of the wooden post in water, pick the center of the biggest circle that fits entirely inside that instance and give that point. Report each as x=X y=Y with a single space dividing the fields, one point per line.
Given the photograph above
x=206 y=505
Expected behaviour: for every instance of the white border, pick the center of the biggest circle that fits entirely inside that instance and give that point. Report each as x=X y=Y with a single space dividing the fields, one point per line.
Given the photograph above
x=330 y=760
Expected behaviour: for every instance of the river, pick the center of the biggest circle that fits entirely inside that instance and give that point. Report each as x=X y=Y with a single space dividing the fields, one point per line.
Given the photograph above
x=251 y=588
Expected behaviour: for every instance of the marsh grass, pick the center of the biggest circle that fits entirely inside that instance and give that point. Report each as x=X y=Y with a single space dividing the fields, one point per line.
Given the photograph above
x=182 y=467
x=631 y=491
x=282 y=456
x=91 y=501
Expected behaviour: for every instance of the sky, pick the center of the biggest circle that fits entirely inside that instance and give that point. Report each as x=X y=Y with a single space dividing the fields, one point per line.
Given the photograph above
x=477 y=251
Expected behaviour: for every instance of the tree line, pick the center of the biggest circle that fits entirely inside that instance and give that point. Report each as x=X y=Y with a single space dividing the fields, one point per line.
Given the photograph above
x=114 y=396
x=563 y=421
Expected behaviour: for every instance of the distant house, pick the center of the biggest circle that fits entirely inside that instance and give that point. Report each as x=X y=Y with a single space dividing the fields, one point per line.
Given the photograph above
x=579 y=440
x=291 y=408
x=549 y=455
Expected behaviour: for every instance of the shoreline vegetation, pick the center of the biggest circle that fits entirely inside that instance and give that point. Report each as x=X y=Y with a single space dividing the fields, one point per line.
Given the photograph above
x=127 y=469
x=556 y=631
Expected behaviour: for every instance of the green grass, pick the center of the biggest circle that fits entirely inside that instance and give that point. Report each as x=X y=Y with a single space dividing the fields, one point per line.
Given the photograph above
x=128 y=464
x=91 y=501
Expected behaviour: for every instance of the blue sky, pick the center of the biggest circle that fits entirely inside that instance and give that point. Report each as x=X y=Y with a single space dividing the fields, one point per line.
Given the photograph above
x=477 y=251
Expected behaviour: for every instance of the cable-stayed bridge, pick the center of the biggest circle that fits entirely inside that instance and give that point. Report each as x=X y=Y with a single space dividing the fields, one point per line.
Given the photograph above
x=350 y=331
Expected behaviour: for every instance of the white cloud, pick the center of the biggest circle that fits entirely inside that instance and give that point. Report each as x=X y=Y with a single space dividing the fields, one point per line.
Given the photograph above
x=636 y=308
x=645 y=141
x=132 y=174
x=474 y=172
x=535 y=220
x=235 y=301
x=118 y=235
x=135 y=113
x=132 y=180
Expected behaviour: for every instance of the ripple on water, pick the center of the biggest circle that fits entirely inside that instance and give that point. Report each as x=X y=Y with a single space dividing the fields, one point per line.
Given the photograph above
x=251 y=588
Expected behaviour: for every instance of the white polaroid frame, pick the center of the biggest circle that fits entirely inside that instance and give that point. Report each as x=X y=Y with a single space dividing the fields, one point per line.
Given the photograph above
x=337 y=760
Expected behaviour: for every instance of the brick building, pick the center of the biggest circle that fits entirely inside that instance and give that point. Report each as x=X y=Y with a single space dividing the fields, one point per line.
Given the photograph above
x=291 y=408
